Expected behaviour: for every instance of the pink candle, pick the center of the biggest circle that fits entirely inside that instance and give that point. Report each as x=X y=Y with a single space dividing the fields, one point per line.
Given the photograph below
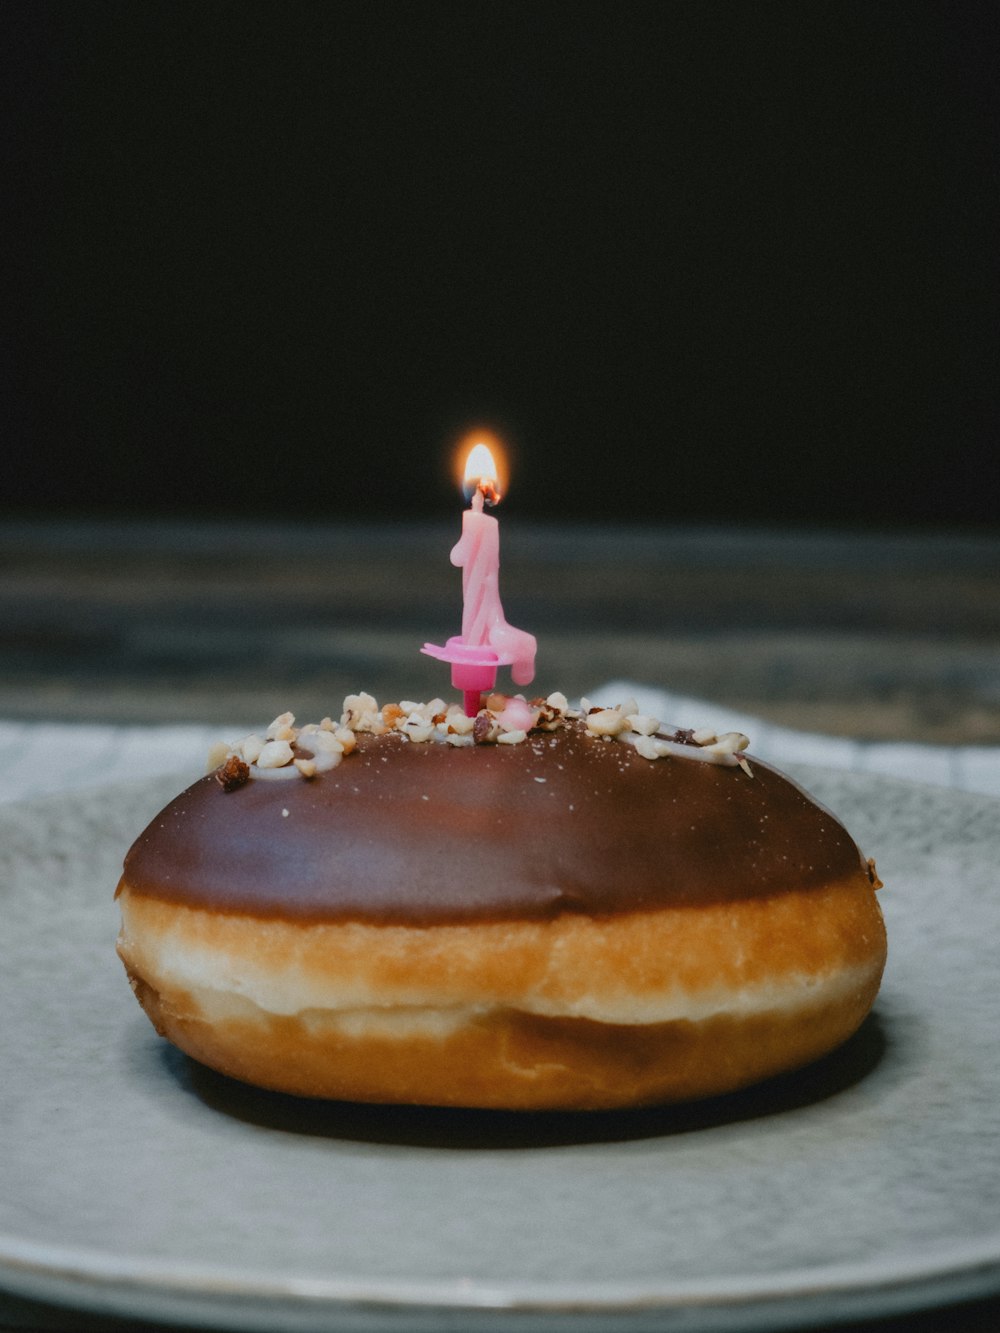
x=487 y=640
x=477 y=554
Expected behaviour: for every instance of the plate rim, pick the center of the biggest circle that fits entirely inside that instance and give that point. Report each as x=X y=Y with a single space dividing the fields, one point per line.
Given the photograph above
x=54 y=1273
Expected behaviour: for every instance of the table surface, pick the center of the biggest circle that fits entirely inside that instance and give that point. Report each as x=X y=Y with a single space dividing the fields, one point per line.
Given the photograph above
x=880 y=636
x=877 y=636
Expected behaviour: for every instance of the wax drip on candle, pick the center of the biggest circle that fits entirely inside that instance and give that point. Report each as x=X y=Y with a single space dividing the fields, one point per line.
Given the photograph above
x=487 y=639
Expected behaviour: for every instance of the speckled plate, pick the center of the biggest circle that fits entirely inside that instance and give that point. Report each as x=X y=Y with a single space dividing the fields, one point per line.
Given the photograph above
x=133 y=1182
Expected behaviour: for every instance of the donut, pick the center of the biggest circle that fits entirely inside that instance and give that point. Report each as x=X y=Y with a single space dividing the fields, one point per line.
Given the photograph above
x=537 y=908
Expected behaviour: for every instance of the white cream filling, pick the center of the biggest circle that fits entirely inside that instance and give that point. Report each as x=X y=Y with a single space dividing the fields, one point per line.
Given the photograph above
x=219 y=985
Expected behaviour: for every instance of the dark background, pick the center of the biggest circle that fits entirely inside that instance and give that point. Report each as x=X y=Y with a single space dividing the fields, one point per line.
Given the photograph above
x=703 y=261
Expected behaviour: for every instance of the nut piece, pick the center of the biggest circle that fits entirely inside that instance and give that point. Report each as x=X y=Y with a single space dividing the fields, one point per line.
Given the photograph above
x=282 y=728
x=606 y=722
x=643 y=724
x=482 y=725
x=217 y=755
x=250 y=748
x=233 y=773
x=327 y=743
x=417 y=729
x=275 y=754
x=361 y=713
x=730 y=742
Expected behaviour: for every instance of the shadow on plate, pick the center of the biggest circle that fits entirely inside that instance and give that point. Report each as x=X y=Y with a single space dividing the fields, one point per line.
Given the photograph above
x=449 y=1127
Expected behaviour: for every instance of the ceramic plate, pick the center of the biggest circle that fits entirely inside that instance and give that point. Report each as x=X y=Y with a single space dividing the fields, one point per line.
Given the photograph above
x=137 y=1183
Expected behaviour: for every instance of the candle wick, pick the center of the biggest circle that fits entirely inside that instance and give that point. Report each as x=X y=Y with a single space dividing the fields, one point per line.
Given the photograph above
x=489 y=491
x=477 y=499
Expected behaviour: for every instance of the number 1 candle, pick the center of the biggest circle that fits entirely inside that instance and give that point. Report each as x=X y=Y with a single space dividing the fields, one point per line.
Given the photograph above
x=487 y=641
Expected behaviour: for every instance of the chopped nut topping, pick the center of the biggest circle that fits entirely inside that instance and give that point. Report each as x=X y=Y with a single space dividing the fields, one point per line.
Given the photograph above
x=281 y=727
x=606 y=721
x=416 y=730
x=647 y=747
x=289 y=751
x=251 y=748
x=233 y=773
x=644 y=725
x=347 y=739
x=460 y=725
x=548 y=719
x=361 y=713
x=217 y=755
x=481 y=728
x=731 y=742
x=327 y=742
x=275 y=754
x=876 y=883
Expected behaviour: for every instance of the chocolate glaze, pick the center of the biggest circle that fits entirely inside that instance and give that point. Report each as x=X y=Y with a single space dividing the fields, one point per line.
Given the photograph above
x=427 y=833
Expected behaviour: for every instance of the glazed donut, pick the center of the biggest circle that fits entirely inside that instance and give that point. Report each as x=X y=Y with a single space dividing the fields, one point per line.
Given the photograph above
x=537 y=908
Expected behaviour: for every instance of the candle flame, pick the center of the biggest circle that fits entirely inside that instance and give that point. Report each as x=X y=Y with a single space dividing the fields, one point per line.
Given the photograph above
x=481 y=474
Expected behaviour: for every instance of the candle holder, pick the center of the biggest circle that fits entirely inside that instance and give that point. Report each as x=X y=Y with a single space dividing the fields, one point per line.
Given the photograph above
x=473 y=668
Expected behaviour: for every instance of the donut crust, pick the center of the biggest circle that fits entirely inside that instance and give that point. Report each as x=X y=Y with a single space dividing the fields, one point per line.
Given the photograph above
x=574 y=1012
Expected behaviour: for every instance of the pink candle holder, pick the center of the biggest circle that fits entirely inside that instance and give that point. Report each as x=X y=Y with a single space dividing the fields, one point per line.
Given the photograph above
x=473 y=668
